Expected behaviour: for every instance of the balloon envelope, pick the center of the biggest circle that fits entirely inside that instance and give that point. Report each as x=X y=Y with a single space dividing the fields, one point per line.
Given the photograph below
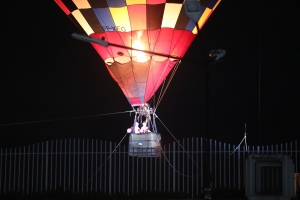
x=159 y=26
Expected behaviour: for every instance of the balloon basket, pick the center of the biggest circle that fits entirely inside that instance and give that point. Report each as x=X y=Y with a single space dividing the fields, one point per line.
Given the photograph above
x=144 y=145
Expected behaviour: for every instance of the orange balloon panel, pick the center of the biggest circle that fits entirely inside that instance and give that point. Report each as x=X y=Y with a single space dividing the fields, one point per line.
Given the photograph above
x=158 y=26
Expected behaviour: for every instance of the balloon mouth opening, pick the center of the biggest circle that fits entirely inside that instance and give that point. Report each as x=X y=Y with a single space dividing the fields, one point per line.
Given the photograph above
x=145 y=58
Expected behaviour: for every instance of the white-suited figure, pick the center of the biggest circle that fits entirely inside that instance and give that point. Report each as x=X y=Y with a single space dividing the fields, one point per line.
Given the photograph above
x=134 y=129
x=144 y=128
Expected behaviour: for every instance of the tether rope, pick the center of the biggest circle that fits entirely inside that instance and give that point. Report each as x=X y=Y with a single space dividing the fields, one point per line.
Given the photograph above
x=67 y=118
x=105 y=160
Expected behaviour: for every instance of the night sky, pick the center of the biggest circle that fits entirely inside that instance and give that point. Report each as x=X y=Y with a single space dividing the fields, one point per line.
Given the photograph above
x=45 y=75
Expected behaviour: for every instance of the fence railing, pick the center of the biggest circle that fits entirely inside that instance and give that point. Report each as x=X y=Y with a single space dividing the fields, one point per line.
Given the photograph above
x=84 y=165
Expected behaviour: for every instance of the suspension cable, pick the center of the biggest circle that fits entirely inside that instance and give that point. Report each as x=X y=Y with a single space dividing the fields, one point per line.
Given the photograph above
x=169 y=81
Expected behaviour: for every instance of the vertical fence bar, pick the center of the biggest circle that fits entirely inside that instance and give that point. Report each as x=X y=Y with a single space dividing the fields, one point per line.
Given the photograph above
x=291 y=149
x=224 y=170
x=60 y=155
x=28 y=166
x=23 y=180
x=188 y=167
x=37 y=167
x=174 y=167
x=109 y=180
x=192 y=163
x=220 y=160
x=197 y=161
x=239 y=167
x=46 y=171
x=15 y=162
x=96 y=167
x=101 y=152
x=78 y=161
x=115 y=155
x=201 y=149
x=73 y=178
x=210 y=160
x=215 y=163
x=65 y=164
x=124 y=168
x=229 y=169
x=92 y=163
x=169 y=180
x=69 y=171
x=55 y=177
x=128 y=167
x=183 y=166
x=137 y=174
x=233 y=166
x=1 y=171
x=87 y=166
x=19 y=174
x=9 y=171
x=5 y=162
x=42 y=166
x=51 y=165
x=164 y=169
x=82 y=170
x=119 y=153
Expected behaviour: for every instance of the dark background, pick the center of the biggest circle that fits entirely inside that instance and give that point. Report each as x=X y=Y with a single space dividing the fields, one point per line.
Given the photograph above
x=45 y=75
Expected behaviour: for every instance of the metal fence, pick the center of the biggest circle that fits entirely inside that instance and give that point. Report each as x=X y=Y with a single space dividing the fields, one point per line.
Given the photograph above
x=84 y=165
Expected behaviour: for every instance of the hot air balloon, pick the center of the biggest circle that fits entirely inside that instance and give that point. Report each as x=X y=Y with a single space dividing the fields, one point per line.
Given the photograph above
x=140 y=42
